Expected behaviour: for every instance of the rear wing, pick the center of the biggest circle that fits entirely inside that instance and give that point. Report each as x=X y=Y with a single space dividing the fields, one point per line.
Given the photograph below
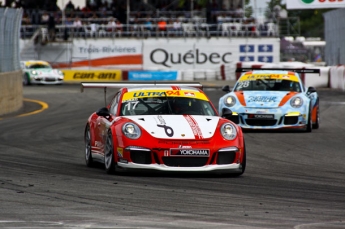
x=301 y=70
x=138 y=84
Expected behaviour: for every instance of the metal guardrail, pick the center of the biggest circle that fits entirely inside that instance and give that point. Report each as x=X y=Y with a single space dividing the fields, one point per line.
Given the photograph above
x=65 y=32
x=10 y=20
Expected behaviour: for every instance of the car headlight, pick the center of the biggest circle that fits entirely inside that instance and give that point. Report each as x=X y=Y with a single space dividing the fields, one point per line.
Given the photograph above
x=131 y=130
x=230 y=101
x=296 y=102
x=228 y=131
x=34 y=72
x=59 y=72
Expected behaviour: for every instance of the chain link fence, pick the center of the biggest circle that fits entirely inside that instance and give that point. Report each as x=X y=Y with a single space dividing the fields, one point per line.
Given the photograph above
x=10 y=22
x=334 y=37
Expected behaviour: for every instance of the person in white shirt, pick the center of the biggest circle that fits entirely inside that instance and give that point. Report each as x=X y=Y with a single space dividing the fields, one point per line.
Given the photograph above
x=77 y=25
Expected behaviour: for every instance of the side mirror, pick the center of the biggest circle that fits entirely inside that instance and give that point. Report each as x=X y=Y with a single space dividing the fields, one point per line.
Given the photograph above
x=311 y=90
x=226 y=88
x=104 y=112
x=226 y=113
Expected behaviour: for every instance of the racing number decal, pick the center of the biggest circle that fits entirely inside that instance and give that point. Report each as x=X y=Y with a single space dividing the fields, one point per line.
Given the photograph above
x=172 y=93
x=128 y=106
x=243 y=84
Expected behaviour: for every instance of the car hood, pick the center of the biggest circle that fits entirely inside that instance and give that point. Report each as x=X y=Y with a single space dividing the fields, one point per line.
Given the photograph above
x=177 y=126
x=42 y=70
x=264 y=99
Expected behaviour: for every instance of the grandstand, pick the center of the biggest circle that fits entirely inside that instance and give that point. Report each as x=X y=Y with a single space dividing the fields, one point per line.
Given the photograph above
x=144 y=19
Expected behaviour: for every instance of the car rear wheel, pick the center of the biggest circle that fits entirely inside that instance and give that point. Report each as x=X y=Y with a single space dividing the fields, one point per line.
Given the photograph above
x=109 y=160
x=87 y=140
x=316 y=124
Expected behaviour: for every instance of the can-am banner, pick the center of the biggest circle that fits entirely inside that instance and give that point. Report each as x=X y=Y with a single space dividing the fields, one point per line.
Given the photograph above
x=205 y=54
x=314 y=4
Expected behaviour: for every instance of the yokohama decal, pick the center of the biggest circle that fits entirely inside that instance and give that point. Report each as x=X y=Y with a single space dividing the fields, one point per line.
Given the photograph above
x=195 y=127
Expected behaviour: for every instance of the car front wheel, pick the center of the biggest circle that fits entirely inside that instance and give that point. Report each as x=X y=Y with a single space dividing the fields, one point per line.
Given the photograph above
x=317 y=123
x=26 y=79
x=109 y=160
x=310 y=122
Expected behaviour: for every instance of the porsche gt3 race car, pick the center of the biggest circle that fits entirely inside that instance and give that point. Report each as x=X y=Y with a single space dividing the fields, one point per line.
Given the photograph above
x=271 y=99
x=40 y=72
x=162 y=127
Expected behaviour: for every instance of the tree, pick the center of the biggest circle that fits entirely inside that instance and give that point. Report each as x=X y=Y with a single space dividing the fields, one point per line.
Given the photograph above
x=311 y=23
x=248 y=10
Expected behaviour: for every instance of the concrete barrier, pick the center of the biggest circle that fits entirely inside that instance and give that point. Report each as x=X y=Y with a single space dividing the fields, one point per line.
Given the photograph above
x=11 y=92
x=337 y=77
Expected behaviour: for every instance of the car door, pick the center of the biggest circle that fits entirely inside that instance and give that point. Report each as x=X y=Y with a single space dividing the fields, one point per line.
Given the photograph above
x=104 y=123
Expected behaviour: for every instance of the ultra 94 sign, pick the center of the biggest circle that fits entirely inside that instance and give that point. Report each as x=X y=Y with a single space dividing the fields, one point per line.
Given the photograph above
x=314 y=4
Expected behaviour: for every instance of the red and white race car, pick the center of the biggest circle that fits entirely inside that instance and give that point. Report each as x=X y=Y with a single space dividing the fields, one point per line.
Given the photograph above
x=162 y=127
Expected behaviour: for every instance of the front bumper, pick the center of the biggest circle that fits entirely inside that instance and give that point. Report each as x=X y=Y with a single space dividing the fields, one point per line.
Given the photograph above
x=252 y=118
x=226 y=160
x=46 y=79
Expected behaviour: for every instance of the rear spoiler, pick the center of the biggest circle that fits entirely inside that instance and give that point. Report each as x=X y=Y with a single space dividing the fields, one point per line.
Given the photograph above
x=138 y=84
x=301 y=70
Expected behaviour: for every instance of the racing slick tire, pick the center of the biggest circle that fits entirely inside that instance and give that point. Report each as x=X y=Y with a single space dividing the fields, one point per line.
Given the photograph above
x=310 y=122
x=317 y=123
x=109 y=160
x=87 y=140
x=26 y=79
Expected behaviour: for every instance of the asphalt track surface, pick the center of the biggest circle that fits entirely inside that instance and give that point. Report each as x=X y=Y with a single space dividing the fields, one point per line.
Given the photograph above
x=292 y=180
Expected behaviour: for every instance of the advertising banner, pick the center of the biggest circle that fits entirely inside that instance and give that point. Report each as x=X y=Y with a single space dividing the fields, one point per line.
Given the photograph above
x=95 y=54
x=314 y=4
x=92 y=75
x=152 y=75
x=207 y=53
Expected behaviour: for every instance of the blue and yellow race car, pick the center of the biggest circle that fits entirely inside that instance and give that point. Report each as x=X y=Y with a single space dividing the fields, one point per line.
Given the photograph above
x=271 y=99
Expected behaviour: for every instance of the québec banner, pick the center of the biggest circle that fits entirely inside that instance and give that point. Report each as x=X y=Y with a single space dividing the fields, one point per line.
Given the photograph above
x=314 y=4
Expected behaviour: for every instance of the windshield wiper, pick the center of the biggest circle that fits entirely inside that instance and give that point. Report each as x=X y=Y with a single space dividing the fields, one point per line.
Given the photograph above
x=168 y=101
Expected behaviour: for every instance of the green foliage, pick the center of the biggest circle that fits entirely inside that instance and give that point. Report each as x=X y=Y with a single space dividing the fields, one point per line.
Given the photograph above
x=311 y=23
x=248 y=11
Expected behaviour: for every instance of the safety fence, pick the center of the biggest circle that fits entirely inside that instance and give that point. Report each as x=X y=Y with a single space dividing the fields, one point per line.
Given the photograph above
x=334 y=36
x=10 y=22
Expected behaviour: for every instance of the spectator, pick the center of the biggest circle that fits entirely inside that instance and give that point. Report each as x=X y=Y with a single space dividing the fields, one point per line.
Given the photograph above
x=118 y=26
x=148 y=24
x=77 y=25
x=44 y=18
x=177 y=26
x=239 y=12
x=162 y=24
x=69 y=7
x=111 y=26
x=51 y=27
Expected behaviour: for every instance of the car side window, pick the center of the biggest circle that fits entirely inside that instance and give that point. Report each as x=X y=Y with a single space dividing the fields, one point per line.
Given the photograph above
x=114 y=104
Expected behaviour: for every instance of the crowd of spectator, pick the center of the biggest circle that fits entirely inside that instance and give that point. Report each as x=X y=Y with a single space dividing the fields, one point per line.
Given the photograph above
x=104 y=19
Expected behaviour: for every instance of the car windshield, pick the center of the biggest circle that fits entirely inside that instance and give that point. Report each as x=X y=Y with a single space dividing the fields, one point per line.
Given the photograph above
x=267 y=85
x=167 y=105
x=35 y=66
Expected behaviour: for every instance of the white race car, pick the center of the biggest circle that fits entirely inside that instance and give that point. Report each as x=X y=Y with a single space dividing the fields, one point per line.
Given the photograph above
x=40 y=72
